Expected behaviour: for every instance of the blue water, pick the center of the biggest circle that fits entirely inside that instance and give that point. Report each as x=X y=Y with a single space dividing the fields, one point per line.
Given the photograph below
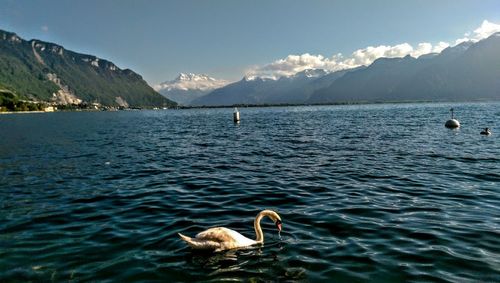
x=380 y=193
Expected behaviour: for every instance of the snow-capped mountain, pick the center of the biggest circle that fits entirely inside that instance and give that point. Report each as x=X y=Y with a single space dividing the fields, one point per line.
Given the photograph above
x=467 y=71
x=256 y=90
x=187 y=87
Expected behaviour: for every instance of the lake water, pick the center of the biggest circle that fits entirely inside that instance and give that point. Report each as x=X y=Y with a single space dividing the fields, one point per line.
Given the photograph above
x=380 y=193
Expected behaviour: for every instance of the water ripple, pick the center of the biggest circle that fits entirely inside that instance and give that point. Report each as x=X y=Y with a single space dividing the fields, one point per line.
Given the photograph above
x=398 y=200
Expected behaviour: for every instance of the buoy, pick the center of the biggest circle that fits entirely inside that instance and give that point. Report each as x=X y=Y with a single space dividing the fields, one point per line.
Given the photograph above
x=452 y=123
x=486 y=132
x=236 y=115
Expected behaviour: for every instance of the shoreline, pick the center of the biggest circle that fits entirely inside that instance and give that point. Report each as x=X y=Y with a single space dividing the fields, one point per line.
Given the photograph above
x=335 y=104
x=256 y=106
x=22 y=112
x=38 y=111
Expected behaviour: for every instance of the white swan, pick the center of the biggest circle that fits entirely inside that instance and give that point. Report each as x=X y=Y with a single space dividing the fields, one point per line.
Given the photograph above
x=221 y=238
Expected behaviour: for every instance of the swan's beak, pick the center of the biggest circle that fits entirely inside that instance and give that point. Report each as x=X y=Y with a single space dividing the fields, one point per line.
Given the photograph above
x=278 y=225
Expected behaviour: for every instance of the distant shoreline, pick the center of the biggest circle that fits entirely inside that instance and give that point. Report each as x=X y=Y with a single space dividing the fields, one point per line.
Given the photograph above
x=38 y=111
x=22 y=112
x=333 y=104
x=256 y=106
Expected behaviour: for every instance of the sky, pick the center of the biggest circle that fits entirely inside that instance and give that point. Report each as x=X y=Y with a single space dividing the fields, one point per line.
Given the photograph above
x=228 y=39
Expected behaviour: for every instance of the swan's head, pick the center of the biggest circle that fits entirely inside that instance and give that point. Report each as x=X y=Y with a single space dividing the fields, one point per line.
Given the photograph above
x=274 y=217
x=278 y=224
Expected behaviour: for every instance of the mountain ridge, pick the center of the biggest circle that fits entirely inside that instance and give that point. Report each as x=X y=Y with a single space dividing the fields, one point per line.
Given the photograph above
x=467 y=71
x=294 y=89
x=44 y=71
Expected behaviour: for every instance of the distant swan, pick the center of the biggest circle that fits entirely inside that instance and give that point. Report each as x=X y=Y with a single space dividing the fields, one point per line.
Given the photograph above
x=486 y=132
x=221 y=238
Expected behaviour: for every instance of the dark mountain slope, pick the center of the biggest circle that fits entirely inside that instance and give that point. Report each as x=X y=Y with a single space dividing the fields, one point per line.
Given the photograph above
x=38 y=70
x=285 y=90
x=468 y=71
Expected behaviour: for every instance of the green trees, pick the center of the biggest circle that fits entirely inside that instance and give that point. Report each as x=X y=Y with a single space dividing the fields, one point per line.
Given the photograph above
x=34 y=70
x=10 y=102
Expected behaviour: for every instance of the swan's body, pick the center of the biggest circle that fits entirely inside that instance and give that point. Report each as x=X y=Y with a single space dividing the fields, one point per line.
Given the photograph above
x=221 y=238
x=218 y=239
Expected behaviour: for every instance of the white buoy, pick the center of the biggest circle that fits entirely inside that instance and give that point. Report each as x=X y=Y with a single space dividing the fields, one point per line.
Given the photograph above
x=452 y=123
x=236 y=115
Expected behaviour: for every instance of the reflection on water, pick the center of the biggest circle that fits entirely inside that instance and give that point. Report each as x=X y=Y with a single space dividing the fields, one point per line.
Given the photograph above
x=366 y=193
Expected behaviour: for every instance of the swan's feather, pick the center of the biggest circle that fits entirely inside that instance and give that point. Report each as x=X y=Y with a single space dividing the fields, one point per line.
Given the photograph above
x=222 y=234
x=200 y=244
x=218 y=239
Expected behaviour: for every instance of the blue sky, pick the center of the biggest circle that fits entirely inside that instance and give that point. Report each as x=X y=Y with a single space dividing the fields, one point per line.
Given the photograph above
x=227 y=38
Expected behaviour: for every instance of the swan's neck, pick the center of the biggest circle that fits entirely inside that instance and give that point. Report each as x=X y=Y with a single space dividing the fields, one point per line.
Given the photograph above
x=258 y=229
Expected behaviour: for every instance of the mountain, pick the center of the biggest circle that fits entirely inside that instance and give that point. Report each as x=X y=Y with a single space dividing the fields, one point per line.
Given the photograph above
x=468 y=71
x=374 y=83
x=188 y=87
x=294 y=89
x=472 y=73
x=43 y=71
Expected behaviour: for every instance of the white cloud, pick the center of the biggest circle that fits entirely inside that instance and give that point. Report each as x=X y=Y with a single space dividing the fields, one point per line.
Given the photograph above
x=426 y=48
x=293 y=64
x=460 y=40
x=369 y=54
x=485 y=30
x=440 y=47
x=44 y=28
